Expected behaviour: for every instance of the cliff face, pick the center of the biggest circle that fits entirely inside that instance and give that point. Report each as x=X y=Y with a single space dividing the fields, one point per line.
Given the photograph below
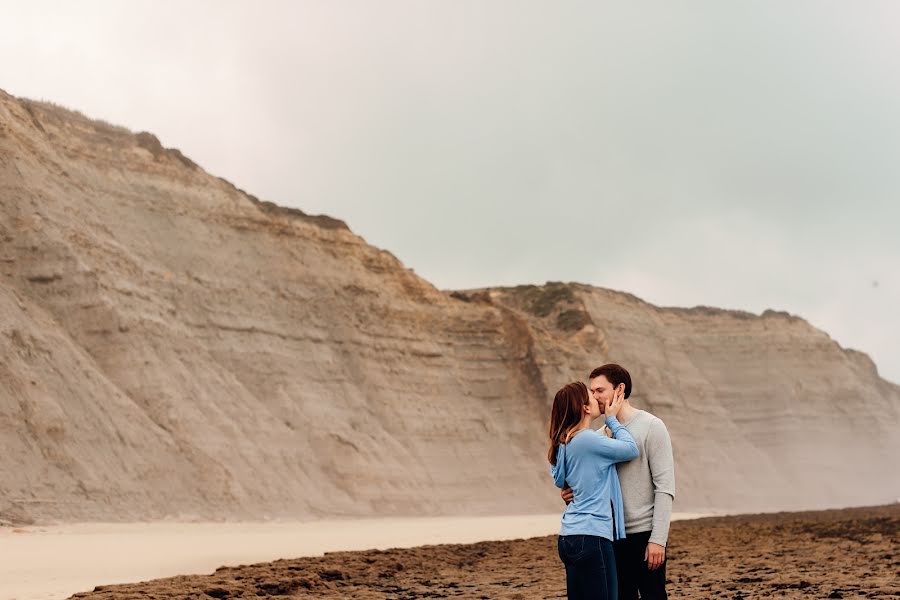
x=174 y=347
x=765 y=412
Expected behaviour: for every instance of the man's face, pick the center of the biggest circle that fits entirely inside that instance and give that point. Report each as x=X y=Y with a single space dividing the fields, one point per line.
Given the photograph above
x=603 y=391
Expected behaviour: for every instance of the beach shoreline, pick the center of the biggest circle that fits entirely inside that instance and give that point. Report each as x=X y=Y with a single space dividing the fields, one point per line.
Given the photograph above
x=708 y=553
x=52 y=562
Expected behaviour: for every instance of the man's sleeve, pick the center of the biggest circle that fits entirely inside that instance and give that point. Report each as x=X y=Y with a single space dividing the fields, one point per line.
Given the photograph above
x=662 y=469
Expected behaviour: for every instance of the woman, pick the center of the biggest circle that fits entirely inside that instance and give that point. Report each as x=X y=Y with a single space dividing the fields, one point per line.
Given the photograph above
x=585 y=460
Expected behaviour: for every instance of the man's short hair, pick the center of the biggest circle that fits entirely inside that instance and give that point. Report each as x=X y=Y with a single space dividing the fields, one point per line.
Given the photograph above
x=615 y=374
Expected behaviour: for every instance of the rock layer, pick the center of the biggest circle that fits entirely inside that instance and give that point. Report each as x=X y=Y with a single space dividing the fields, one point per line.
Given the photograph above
x=174 y=347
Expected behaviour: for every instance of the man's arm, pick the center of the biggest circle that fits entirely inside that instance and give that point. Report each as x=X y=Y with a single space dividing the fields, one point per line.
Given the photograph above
x=662 y=469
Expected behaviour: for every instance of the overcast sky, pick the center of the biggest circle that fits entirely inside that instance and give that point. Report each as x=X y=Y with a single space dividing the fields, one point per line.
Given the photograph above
x=740 y=155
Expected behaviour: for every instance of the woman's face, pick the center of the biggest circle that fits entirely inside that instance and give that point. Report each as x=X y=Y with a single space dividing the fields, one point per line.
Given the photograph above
x=593 y=407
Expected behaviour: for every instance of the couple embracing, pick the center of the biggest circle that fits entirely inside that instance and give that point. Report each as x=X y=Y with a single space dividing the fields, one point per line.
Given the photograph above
x=619 y=484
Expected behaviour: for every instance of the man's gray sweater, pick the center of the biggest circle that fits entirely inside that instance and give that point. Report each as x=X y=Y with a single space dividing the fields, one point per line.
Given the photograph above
x=648 y=482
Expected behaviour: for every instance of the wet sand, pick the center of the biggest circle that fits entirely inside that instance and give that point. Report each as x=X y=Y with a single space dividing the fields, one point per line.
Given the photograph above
x=52 y=563
x=848 y=553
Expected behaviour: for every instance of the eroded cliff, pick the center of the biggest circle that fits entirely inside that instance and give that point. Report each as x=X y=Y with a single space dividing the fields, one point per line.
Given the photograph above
x=174 y=347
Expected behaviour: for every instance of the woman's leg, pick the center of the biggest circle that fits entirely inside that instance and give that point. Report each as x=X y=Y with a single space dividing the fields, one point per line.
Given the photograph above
x=573 y=584
x=592 y=571
x=569 y=548
x=612 y=578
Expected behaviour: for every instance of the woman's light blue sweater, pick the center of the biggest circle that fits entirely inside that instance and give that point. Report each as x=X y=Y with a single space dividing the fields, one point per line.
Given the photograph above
x=587 y=464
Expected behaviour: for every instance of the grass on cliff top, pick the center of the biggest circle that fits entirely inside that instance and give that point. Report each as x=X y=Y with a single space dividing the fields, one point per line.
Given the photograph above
x=541 y=301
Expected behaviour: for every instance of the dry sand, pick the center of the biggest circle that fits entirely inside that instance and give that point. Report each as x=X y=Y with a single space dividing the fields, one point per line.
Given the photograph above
x=849 y=553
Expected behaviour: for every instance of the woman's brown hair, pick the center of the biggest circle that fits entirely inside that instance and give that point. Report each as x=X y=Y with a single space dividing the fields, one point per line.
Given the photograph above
x=566 y=415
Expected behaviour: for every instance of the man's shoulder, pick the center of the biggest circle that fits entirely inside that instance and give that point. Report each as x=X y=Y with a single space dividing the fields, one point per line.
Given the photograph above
x=649 y=418
x=654 y=419
x=652 y=422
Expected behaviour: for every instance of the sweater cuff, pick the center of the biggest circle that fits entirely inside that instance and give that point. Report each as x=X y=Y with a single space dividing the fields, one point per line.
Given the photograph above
x=662 y=516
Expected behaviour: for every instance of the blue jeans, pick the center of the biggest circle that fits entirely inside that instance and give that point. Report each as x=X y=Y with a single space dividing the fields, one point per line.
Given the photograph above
x=590 y=567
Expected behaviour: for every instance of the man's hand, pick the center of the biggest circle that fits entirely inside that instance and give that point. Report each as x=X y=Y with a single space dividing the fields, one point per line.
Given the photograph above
x=654 y=555
x=567 y=495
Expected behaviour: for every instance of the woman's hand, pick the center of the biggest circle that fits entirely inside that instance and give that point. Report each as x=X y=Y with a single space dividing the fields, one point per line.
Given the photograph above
x=613 y=408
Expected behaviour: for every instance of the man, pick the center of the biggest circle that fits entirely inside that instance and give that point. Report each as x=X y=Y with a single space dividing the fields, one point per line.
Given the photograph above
x=648 y=489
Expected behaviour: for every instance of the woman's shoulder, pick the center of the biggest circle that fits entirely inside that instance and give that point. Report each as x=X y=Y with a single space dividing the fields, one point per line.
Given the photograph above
x=586 y=436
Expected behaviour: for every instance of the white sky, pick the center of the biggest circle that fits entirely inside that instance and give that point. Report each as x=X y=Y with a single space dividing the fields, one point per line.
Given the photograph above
x=740 y=155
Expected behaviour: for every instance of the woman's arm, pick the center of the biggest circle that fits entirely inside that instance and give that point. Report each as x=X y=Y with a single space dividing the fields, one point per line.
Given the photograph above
x=558 y=471
x=622 y=448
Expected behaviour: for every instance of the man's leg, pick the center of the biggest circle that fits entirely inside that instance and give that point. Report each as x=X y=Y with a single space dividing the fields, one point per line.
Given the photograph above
x=651 y=584
x=626 y=569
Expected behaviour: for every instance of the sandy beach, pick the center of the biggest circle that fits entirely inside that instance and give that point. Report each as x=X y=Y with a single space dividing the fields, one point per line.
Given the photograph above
x=51 y=563
x=844 y=553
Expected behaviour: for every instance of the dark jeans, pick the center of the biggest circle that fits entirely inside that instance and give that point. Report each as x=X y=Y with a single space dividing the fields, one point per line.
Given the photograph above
x=634 y=576
x=590 y=567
